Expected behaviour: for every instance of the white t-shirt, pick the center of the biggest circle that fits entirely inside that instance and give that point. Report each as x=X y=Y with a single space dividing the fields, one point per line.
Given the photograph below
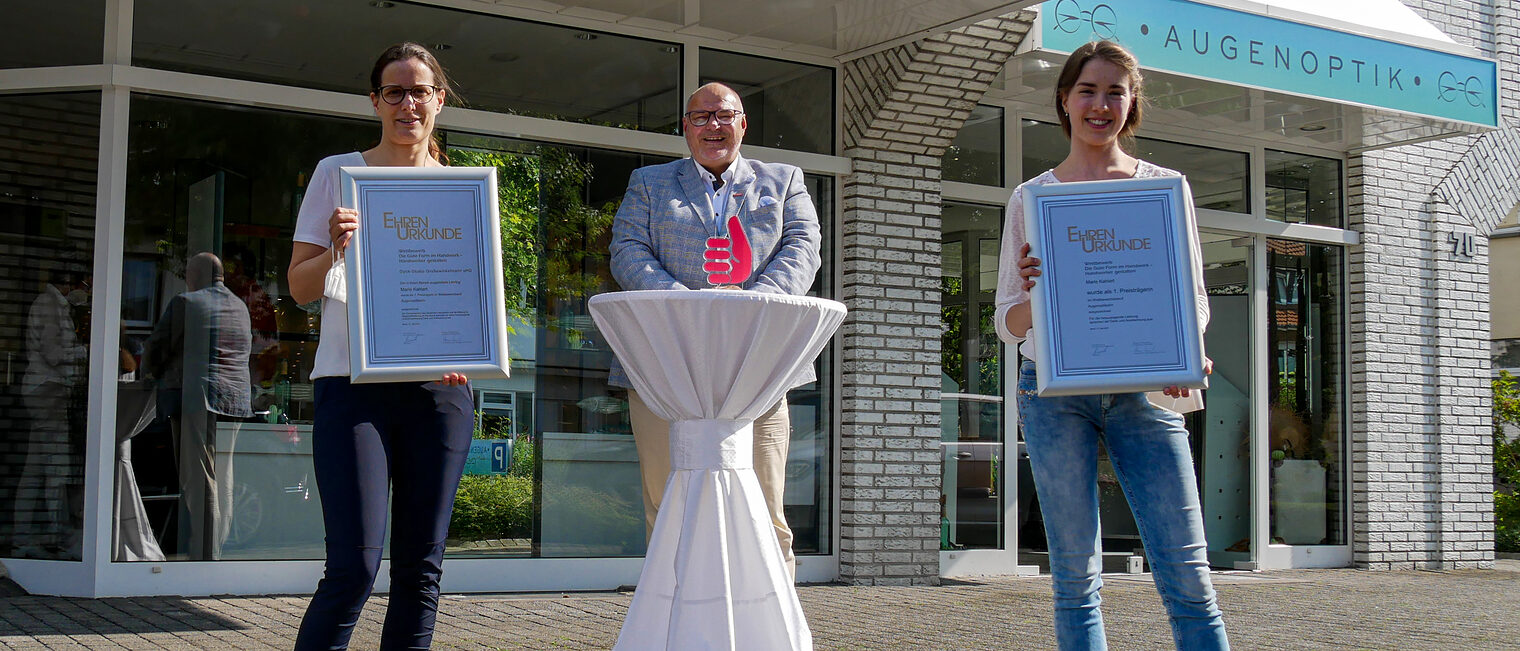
x=323 y=195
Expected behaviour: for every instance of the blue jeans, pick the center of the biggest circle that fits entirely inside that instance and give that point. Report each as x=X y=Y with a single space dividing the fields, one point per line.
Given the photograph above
x=399 y=442
x=1149 y=450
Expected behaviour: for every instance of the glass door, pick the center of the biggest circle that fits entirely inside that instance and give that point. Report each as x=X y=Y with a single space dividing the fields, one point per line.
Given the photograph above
x=975 y=502
x=1221 y=432
x=1305 y=432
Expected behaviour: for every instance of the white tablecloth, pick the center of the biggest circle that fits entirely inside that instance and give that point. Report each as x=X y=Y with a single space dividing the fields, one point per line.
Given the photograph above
x=710 y=362
x=133 y=537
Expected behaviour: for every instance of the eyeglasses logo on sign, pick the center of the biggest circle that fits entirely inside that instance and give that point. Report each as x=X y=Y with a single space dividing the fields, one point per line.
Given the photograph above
x=1101 y=21
x=1470 y=88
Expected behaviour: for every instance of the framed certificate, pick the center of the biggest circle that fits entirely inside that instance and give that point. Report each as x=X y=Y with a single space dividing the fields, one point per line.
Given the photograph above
x=1115 y=306
x=424 y=274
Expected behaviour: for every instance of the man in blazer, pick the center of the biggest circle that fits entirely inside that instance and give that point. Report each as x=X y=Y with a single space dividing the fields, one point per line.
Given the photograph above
x=660 y=241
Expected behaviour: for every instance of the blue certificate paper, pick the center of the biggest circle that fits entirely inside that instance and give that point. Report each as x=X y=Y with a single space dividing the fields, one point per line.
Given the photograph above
x=424 y=274
x=1115 y=307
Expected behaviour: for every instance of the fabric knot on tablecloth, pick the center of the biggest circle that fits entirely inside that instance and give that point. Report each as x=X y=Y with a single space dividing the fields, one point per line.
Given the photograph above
x=708 y=444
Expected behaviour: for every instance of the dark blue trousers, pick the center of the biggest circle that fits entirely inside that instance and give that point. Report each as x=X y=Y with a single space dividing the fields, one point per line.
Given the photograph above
x=371 y=441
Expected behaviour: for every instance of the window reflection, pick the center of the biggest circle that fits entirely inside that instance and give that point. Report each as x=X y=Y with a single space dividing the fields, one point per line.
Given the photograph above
x=552 y=470
x=789 y=105
x=1306 y=401
x=1303 y=189
x=1221 y=431
x=976 y=155
x=58 y=33
x=971 y=402
x=47 y=228
x=567 y=427
x=1219 y=178
x=809 y=466
x=234 y=483
x=497 y=63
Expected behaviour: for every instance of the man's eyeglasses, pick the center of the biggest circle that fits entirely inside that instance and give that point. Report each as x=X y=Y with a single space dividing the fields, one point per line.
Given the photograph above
x=393 y=94
x=701 y=118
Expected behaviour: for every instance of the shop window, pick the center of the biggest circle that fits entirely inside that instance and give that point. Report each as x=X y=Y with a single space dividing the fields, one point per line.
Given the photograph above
x=59 y=33
x=1044 y=148
x=788 y=105
x=577 y=437
x=976 y=155
x=1219 y=178
x=809 y=498
x=971 y=404
x=47 y=231
x=497 y=63
x=1306 y=412
x=204 y=178
x=553 y=472
x=1221 y=432
x=1303 y=189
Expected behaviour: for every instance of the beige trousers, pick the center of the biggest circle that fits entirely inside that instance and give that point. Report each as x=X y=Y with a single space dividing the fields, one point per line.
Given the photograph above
x=773 y=438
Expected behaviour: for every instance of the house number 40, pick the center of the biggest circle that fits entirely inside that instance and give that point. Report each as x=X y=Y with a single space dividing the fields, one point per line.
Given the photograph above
x=1463 y=244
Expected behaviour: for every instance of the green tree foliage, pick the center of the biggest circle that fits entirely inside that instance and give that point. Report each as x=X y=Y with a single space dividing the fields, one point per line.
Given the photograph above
x=517 y=189
x=550 y=236
x=574 y=243
x=952 y=355
x=1506 y=464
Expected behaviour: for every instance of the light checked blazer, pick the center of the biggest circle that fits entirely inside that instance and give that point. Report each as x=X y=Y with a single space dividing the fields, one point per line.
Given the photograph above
x=660 y=232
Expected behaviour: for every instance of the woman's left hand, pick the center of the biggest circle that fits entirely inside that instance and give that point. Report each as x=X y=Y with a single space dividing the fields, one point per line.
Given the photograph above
x=454 y=379
x=1175 y=391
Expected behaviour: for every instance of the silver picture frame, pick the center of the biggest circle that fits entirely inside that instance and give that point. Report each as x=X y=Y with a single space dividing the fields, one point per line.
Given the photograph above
x=1115 y=308
x=425 y=294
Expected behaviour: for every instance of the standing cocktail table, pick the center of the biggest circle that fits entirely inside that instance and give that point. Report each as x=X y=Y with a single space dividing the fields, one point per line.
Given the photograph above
x=710 y=362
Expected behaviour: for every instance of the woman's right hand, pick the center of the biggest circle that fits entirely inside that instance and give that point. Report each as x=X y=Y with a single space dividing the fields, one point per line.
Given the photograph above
x=1029 y=267
x=341 y=227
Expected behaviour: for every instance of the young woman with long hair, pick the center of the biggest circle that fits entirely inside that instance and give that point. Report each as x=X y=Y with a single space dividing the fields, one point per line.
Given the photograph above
x=1098 y=101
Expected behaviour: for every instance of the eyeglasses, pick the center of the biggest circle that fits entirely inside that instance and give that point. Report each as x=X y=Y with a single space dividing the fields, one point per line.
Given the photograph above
x=701 y=118
x=393 y=94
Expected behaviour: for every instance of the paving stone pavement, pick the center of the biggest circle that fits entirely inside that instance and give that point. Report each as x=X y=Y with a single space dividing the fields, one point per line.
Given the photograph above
x=1296 y=610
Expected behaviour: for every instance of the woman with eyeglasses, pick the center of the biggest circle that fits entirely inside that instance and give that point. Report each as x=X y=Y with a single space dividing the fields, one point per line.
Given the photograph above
x=406 y=441
x=1098 y=99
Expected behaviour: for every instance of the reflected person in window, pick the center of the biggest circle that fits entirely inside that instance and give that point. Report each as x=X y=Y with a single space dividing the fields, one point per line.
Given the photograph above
x=405 y=440
x=659 y=241
x=199 y=354
x=48 y=506
x=1098 y=100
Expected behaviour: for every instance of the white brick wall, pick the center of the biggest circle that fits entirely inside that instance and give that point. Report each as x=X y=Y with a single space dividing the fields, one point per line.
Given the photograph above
x=902 y=109
x=1422 y=470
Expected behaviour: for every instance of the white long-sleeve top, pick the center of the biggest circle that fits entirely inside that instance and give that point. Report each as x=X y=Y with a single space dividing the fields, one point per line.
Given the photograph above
x=1010 y=287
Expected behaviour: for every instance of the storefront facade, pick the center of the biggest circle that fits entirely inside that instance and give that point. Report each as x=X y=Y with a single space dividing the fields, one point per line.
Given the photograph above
x=142 y=138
